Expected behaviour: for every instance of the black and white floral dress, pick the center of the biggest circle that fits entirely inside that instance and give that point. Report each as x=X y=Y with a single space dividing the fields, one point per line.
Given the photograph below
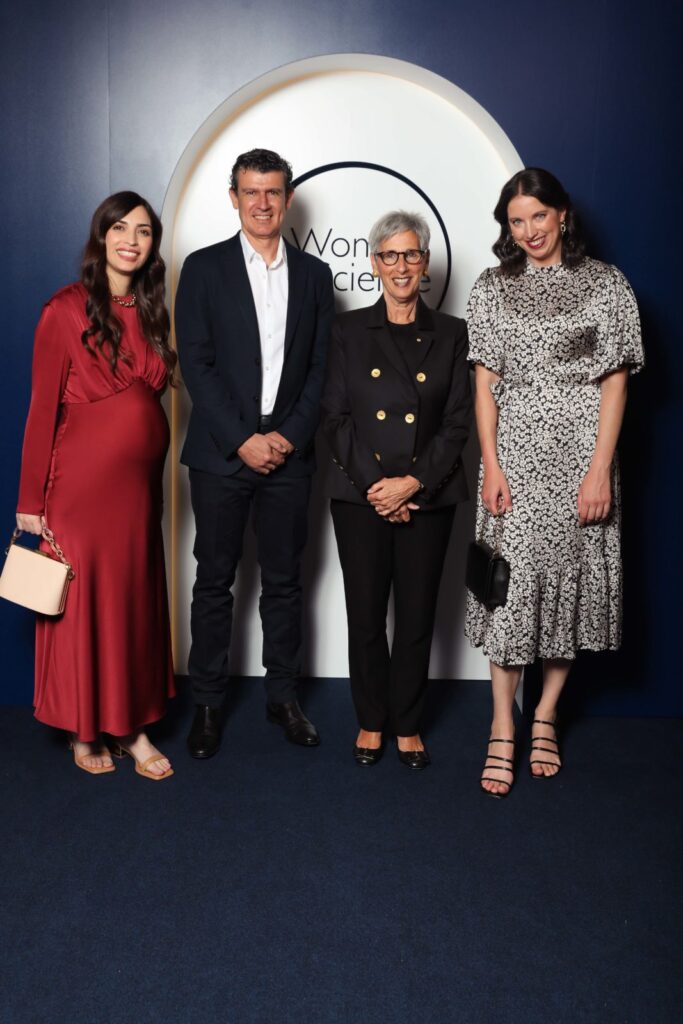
x=551 y=334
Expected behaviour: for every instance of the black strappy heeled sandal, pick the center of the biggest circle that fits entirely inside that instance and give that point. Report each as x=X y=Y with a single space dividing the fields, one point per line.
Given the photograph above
x=498 y=768
x=554 y=749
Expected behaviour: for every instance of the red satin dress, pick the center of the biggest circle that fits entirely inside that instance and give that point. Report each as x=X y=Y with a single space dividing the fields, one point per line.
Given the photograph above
x=92 y=464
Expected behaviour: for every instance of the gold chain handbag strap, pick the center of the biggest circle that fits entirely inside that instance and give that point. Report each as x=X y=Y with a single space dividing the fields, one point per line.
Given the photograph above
x=49 y=536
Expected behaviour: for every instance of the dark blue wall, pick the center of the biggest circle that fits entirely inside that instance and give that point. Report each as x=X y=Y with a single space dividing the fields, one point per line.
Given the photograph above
x=101 y=96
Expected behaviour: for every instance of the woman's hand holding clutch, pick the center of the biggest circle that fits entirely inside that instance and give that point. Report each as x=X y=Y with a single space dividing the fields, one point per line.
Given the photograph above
x=29 y=523
x=495 y=492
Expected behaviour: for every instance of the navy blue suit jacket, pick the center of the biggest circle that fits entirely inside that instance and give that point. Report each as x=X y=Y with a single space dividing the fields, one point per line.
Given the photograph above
x=220 y=356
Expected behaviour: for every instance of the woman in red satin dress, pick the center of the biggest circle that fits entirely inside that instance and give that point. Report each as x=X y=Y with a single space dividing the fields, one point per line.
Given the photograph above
x=94 y=449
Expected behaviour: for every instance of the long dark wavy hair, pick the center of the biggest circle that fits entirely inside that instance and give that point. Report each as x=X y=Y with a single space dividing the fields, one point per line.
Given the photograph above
x=148 y=285
x=544 y=186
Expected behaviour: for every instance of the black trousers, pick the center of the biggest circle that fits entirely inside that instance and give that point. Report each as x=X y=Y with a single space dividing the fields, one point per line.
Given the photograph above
x=221 y=506
x=374 y=555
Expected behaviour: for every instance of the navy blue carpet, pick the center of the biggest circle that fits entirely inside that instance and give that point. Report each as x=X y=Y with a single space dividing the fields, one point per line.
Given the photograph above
x=280 y=885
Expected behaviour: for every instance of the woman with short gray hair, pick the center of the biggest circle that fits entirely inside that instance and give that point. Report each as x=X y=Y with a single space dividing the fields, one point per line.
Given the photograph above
x=396 y=223
x=396 y=415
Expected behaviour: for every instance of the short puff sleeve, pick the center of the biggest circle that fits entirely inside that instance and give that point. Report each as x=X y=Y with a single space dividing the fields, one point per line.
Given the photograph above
x=481 y=317
x=619 y=338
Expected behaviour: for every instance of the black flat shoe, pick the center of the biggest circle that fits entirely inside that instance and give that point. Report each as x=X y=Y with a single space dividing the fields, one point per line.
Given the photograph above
x=204 y=739
x=297 y=727
x=415 y=759
x=367 y=756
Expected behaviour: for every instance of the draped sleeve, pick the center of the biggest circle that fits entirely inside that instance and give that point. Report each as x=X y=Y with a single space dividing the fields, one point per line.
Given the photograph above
x=49 y=373
x=619 y=342
x=481 y=317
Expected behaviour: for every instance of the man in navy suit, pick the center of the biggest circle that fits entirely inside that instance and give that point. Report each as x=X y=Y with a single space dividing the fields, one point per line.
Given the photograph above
x=253 y=317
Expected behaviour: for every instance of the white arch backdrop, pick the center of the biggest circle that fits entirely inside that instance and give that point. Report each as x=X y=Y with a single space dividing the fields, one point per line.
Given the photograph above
x=431 y=148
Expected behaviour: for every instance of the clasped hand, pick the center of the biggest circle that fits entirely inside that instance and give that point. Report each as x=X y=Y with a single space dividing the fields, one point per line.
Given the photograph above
x=390 y=497
x=265 y=452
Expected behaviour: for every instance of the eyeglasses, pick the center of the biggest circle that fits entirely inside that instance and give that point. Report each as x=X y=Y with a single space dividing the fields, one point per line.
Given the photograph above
x=411 y=256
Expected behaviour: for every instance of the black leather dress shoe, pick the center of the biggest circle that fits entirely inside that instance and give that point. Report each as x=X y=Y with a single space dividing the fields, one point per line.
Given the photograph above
x=415 y=759
x=367 y=756
x=205 y=735
x=297 y=727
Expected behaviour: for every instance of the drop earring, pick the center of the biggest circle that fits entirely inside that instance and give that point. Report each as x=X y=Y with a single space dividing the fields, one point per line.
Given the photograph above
x=563 y=228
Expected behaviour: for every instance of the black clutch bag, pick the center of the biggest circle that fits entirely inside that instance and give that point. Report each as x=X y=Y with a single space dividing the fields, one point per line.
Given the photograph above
x=487 y=574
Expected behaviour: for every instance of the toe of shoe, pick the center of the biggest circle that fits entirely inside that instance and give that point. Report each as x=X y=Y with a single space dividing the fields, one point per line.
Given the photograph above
x=202 y=748
x=415 y=759
x=304 y=737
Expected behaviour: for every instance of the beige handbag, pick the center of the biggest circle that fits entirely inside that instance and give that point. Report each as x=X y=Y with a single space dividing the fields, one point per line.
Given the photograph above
x=36 y=580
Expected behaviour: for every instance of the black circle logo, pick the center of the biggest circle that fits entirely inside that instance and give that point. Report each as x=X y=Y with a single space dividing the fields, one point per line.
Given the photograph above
x=364 y=165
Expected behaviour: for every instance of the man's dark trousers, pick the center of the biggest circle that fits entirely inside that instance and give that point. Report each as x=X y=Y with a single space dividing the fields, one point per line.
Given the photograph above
x=221 y=505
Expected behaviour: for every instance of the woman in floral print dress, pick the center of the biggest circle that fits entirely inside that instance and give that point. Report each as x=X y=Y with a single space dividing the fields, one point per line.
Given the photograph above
x=553 y=337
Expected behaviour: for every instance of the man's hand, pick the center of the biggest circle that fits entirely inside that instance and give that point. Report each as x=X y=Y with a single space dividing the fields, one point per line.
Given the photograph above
x=258 y=453
x=279 y=443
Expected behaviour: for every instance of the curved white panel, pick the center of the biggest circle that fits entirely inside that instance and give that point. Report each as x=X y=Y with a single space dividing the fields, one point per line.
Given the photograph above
x=365 y=134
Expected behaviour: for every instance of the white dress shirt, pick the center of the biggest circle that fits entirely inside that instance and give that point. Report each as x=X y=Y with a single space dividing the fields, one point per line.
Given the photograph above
x=270 y=289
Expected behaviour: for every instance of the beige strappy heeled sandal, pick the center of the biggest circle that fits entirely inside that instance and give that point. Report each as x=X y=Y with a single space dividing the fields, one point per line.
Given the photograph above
x=142 y=767
x=89 y=768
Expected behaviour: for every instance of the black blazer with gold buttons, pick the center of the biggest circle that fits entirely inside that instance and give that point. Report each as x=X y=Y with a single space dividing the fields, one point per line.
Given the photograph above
x=381 y=421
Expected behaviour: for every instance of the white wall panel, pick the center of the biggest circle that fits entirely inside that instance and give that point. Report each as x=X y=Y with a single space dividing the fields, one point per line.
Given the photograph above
x=408 y=122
